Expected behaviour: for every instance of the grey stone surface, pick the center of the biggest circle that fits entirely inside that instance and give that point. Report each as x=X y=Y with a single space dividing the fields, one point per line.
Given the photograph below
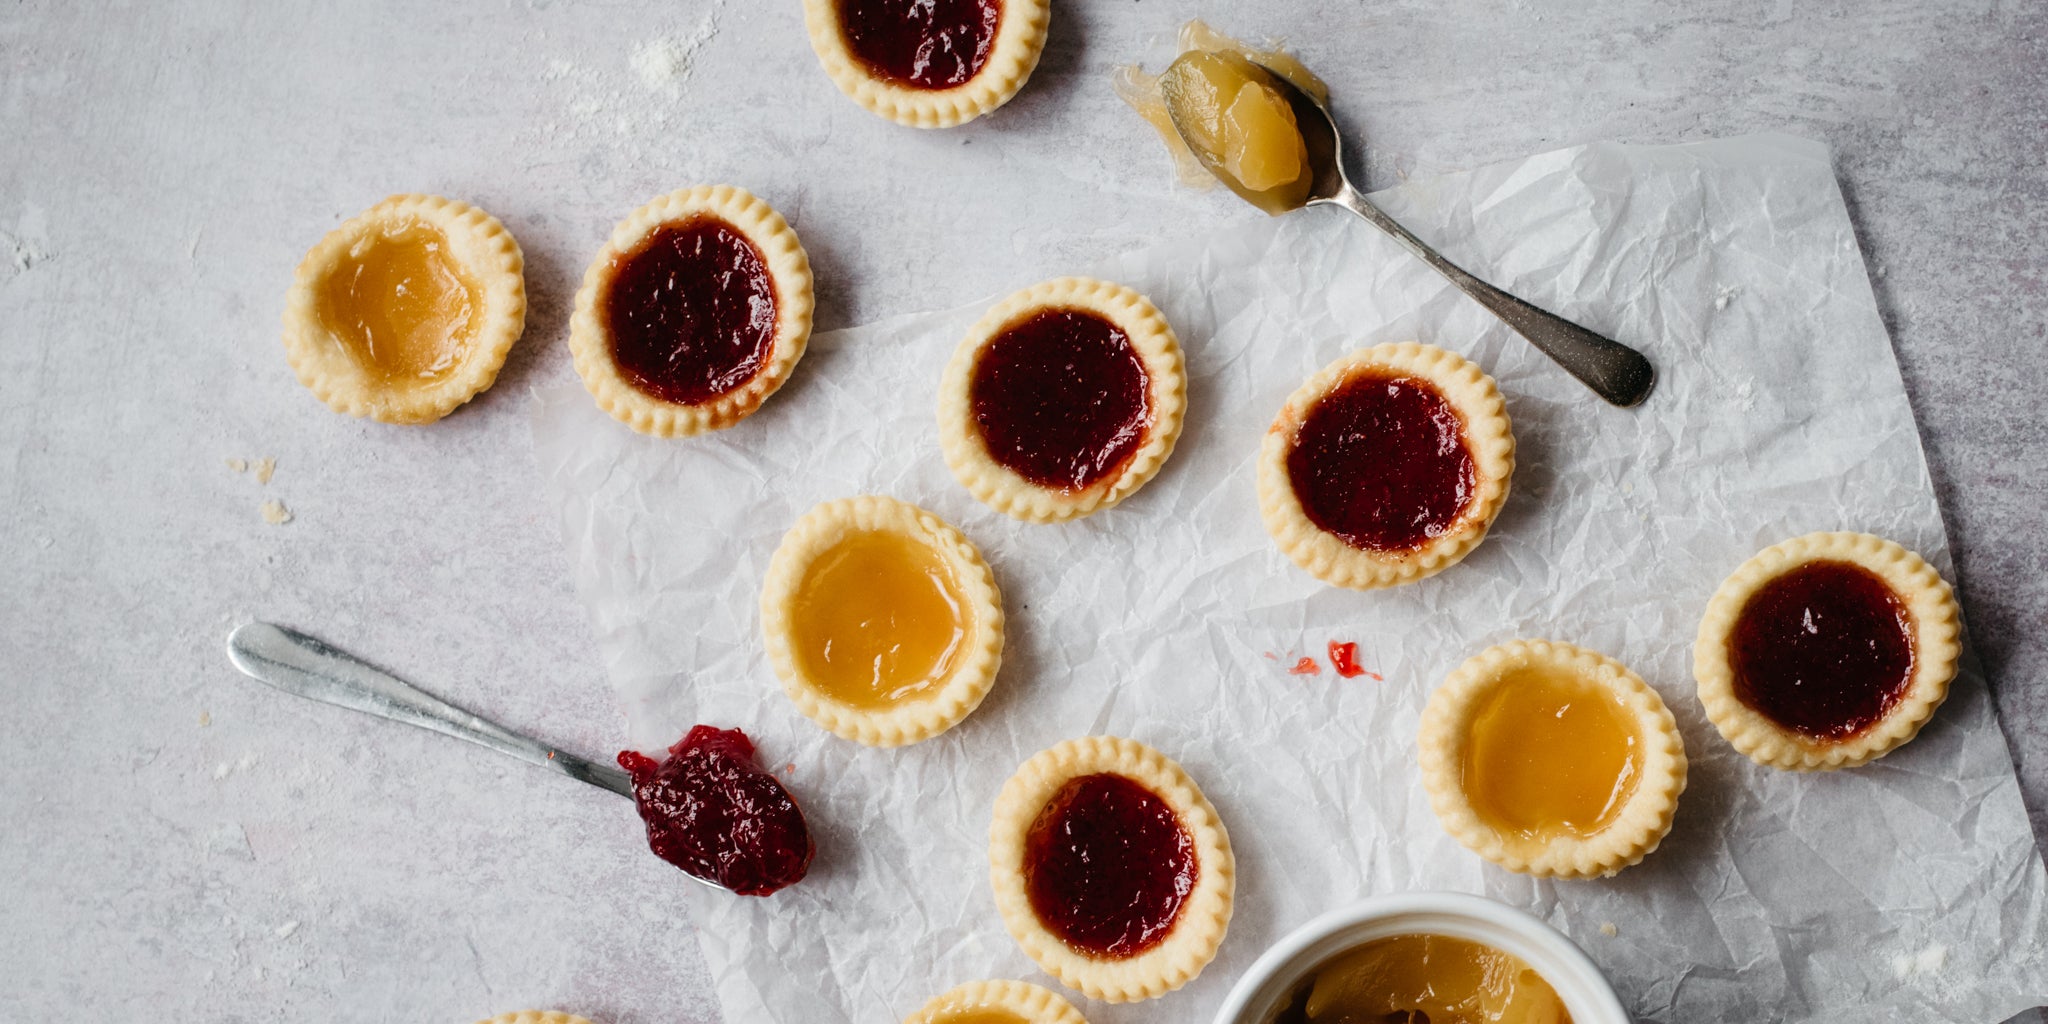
x=178 y=841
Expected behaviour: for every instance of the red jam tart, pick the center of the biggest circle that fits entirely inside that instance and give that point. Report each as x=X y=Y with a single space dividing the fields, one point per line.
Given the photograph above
x=1387 y=466
x=1111 y=869
x=1826 y=651
x=711 y=812
x=1064 y=399
x=928 y=63
x=694 y=313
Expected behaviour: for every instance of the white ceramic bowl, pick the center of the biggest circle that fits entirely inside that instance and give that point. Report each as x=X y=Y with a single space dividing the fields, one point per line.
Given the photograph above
x=1269 y=982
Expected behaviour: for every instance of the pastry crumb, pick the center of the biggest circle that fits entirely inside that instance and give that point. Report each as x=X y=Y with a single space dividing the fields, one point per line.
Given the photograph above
x=205 y=719
x=1608 y=929
x=265 y=466
x=1725 y=295
x=285 y=930
x=275 y=513
x=238 y=465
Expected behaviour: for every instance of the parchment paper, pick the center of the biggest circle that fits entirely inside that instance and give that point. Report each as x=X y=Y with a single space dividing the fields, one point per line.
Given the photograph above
x=1909 y=889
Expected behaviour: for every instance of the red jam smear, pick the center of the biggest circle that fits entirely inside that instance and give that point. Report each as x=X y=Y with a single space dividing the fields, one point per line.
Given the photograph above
x=1306 y=667
x=1824 y=650
x=691 y=311
x=924 y=44
x=1107 y=866
x=1381 y=462
x=711 y=812
x=1062 y=399
x=1344 y=659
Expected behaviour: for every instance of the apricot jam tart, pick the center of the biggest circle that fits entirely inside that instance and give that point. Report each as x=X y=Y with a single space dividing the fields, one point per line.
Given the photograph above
x=407 y=310
x=1826 y=651
x=1550 y=759
x=1111 y=869
x=1428 y=978
x=694 y=312
x=928 y=63
x=883 y=622
x=1387 y=466
x=1062 y=400
x=997 y=1002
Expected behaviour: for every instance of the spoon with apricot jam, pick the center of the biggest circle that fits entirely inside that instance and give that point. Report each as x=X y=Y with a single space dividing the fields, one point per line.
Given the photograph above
x=1268 y=140
x=708 y=809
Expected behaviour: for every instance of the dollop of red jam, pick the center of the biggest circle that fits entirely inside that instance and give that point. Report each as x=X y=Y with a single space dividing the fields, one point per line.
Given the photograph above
x=1061 y=398
x=1381 y=462
x=691 y=311
x=925 y=44
x=1107 y=866
x=1344 y=658
x=711 y=812
x=1825 y=650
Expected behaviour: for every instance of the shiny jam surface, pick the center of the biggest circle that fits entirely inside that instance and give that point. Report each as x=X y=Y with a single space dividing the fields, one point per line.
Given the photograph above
x=1425 y=979
x=712 y=813
x=401 y=306
x=1825 y=650
x=691 y=311
x=1107 y=866
x=1061 y=398
x=1237 y=122
x=1381 y=462
x=925 y=44
x=1550 y=754
x=878 y=620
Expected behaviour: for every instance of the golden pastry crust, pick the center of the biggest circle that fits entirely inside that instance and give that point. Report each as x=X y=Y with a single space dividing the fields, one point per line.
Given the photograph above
x=1029 y=1003
x=1929 y=602
x=476 y=243
x=1205 y=915
x=536 y=1017
x=1003 y=489
x=981 y=652
x=1637 y=828
x=1488 y=437
x=1020 y=37
x=788 y=266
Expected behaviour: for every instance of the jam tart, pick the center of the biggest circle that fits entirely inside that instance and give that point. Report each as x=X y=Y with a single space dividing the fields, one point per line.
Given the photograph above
x=883 y=621
x=997 y=1002
x=1387 y=466
x=406 y=310
x=1111 y=869
x=694 y=312
x=1551 y=760
x=928 y=63
x=1062 y=400
x=1826 y=651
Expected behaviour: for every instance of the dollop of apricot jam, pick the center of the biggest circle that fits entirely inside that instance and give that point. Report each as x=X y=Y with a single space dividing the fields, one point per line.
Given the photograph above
x=711 y=812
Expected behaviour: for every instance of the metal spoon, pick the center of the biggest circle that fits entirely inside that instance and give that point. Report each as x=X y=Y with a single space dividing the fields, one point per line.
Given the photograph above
x=1617 y=373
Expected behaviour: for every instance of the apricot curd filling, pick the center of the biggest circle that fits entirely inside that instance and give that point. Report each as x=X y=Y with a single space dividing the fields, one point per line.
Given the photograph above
x=1550 y=754
x=1431 y=978
x=980 y=1016
x=878 y=621
x=401 y=306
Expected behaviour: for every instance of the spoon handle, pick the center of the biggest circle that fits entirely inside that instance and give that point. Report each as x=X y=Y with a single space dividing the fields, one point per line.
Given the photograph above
x=1616 y=372
x=297 y=663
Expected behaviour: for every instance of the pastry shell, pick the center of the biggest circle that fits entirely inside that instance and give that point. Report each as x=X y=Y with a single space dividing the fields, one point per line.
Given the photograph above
x=478 y=243
x=1030 y=1003
x=1642 y=821
x=1929 y=602
x=788 y=267
x=1020 y=38
x=1002 y=488
x=1488 y=438
x=981 y=653
x=1205 y=915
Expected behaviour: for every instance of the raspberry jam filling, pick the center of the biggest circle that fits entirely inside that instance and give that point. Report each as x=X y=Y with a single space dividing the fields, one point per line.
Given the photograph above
x=1381 y=462
x=1061 y=399
x=711 y=812
x=1107 y=866
x=924 y=44
x=691 y=311
x=1825 y=650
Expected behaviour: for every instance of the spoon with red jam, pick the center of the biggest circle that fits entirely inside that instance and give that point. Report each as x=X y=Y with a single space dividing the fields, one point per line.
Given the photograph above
x=709 y=809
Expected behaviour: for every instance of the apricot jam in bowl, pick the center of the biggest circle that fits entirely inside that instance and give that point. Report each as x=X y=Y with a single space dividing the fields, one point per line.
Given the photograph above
x=1436 y=956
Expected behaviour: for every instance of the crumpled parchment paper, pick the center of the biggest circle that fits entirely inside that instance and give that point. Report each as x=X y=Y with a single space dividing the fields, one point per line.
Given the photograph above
x=1909 y=889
